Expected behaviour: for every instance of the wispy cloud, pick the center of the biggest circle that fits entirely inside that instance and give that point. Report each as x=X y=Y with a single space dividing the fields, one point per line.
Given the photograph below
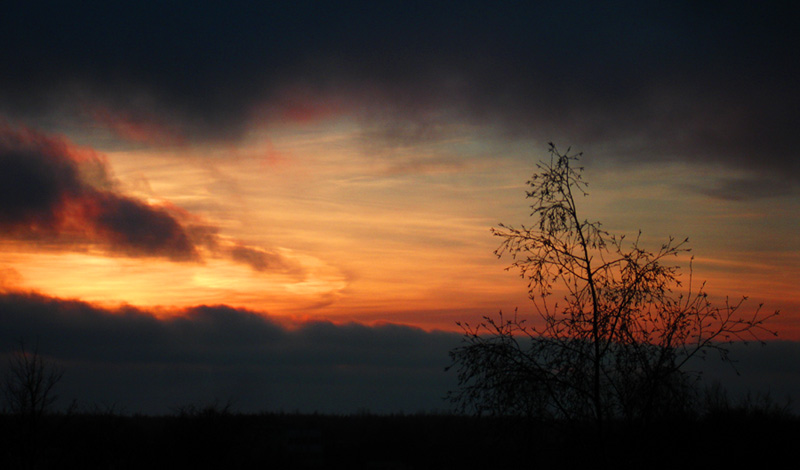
x=752 y=187
x=141 y=129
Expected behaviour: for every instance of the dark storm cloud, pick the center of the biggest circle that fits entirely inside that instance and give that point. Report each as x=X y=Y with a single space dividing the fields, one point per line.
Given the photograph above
x=710 y=82
x=45 y=194
x=136 y=228
x=199 y=66
x=130 y=358
x=35 y=177
x=56 y=194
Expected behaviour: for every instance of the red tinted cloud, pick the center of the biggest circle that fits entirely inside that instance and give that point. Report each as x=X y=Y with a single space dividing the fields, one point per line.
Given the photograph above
x=136 y=228
x=35 y=177
x=54 y=192
x=45 y=193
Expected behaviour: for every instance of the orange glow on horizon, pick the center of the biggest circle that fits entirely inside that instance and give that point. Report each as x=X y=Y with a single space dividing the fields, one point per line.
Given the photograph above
x=335 y=232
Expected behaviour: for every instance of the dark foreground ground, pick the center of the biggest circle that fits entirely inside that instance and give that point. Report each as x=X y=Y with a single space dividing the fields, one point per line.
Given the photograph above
x=218 y=439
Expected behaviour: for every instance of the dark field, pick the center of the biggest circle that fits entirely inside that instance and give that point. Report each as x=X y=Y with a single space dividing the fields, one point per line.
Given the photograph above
x=213 y=438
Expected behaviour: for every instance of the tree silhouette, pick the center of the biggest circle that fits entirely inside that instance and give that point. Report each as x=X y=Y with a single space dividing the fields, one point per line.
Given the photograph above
x=29 y=391
x=29 y=383
x=616 y=344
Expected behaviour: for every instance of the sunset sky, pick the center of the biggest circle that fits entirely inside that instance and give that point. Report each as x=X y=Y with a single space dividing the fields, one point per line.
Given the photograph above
x=334 y=169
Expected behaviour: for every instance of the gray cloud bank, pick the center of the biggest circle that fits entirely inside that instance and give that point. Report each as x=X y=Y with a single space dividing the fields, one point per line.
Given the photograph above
x=139 y=363
x=132 y=360
x=712 y=82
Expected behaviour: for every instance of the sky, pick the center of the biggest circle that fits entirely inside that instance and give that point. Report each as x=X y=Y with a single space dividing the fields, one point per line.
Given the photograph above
x=290 y=204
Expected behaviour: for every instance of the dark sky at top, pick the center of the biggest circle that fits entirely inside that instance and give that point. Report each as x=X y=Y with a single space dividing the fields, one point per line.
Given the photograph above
x=681 y=80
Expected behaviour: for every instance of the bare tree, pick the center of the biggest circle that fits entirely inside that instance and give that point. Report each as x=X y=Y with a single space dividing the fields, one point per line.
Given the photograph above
x=30 y=381
x=29 y=391
x=616 y=343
